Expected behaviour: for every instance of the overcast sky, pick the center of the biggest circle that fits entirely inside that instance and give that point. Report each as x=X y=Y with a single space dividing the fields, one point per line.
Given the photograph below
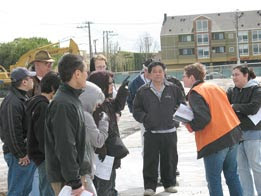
x=58 y=20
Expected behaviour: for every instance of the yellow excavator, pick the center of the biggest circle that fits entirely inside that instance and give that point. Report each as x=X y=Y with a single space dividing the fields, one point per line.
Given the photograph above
x=25 y=59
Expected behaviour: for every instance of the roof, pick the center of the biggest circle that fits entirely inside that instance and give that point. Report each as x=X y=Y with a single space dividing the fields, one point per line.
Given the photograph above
x=175 y=25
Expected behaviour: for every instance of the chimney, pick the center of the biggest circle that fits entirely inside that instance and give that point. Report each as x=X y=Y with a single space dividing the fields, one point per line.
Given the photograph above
x=165 y=18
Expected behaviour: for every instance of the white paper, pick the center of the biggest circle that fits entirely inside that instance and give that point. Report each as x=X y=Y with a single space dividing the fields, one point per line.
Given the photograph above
x=183 y=114
x=256 y=117
x=67 y=191
x=104 y=168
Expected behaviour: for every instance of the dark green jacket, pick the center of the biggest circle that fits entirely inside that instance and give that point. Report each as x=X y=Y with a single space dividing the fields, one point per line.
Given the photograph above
x=65 y=137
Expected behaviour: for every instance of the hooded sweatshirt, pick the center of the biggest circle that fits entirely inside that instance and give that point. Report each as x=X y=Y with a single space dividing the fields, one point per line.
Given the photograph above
x=95 y=136
x=247 y=101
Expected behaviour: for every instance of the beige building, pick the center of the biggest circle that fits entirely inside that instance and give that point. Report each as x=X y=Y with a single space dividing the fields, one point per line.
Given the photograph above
x=211 y=38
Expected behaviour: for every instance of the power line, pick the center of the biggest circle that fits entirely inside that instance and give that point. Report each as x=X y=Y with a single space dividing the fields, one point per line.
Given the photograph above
x=89 y=32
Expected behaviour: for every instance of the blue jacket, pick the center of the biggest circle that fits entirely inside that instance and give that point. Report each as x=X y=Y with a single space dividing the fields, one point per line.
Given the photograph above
x=133 y=87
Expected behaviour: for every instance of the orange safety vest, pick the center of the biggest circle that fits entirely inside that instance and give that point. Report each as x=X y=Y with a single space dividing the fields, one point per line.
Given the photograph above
x=223 y=117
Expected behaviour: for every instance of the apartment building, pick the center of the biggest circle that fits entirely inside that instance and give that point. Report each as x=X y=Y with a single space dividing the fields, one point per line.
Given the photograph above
x=211 y=38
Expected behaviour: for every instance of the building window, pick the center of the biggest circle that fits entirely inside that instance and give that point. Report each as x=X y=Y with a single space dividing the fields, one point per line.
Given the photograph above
x=230 y=36
x=186 y=38
x=231 y=49
x=203 y=52
x=243 y=49
x=257 y=49
x=202 y=26
x=217 y=36
x=202 y=39
x=220 y=49
x=256 y=35
x=242 y=36
x=186 y=51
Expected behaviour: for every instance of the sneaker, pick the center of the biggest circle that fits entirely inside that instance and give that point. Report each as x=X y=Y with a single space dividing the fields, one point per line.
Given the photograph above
x=159 y=183
x=171 y=189
x=149 y=192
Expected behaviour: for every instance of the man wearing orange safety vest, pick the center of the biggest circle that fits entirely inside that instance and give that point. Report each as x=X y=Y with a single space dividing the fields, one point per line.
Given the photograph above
x=216 y=130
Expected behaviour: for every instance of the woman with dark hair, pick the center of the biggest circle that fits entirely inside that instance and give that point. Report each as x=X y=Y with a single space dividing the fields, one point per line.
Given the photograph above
x=113 y=145
x=245 y=98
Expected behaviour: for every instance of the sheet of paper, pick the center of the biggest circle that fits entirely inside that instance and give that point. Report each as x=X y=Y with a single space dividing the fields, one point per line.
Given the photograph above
x=183 y=114
x=256 y=117
x=104 y=168
x=67 y=191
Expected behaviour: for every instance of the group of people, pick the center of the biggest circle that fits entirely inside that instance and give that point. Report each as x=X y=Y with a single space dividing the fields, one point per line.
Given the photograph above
x=226 y=137
x=60 y=124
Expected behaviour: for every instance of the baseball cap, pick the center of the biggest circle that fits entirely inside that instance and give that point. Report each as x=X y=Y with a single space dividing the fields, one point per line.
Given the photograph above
x=43 y=56
x=146 y=63
x=21 y=73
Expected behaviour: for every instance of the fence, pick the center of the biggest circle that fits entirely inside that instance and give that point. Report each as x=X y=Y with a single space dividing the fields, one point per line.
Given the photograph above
x=220 y=71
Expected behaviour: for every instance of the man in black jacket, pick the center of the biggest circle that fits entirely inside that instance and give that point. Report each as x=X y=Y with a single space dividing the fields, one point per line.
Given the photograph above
x=13 y=133
x=65 y=129
x=154 y=106
x=35 y=112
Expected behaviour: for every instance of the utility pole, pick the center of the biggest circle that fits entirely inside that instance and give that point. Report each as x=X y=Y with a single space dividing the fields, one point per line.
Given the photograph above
x=237 y=16
x=89 y=32
x=106 y=51
x=94 y=43
x=90 y=39
x=103 y=42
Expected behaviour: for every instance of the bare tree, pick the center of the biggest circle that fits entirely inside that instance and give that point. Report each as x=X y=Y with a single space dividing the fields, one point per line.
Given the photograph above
x=146 y=44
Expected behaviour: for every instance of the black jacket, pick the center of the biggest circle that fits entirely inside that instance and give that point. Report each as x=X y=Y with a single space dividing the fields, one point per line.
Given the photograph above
x=13 y=123
x=157 y=114
x=246 y=101
x=36 y=89
x=65 y=138
x=35 y=112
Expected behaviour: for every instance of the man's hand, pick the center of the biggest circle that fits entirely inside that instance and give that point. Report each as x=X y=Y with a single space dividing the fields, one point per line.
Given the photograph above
x=125 y=82
x=187 y=125
x=78 y=192
x=24 y=161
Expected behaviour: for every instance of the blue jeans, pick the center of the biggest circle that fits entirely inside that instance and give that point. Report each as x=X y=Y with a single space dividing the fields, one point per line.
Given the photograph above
x=223 y=160
x=249 y=158
x=20 y=178
x=44 y=185
x=35 y=186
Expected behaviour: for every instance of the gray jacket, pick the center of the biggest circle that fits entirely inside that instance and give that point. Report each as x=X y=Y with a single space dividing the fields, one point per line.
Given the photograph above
x=95 y=136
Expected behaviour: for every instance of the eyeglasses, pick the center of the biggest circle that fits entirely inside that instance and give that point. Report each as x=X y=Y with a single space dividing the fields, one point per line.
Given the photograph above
x=48 y=63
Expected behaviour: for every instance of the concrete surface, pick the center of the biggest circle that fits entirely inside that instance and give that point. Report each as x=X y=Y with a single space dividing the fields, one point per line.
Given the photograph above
x=129 y=181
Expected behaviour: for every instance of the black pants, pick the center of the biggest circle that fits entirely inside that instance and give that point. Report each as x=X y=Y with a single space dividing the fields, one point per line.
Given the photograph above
x=163 y=145
x=106 y=187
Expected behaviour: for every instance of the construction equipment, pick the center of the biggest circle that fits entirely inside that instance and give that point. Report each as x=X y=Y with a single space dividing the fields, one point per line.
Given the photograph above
x=4 y=76
x=28 y=57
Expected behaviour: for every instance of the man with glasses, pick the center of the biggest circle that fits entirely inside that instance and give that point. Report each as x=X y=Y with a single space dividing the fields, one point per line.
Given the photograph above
x=13 y=131
x=42 y=64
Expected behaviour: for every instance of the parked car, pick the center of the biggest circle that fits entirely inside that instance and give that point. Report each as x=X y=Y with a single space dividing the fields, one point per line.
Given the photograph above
x=214 y=75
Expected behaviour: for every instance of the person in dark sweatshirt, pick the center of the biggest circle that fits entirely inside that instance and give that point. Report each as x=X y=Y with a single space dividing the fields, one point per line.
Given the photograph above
x=35 y=112
x=110 y=106
x=245 y=98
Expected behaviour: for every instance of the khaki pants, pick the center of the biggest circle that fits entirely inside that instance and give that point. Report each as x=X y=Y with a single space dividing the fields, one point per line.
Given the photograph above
x=57 y=186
